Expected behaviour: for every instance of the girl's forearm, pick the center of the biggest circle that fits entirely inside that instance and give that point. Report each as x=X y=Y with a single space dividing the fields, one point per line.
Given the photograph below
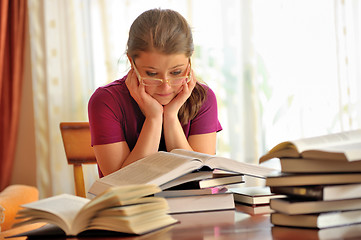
x=174 y=135
x=148 y=140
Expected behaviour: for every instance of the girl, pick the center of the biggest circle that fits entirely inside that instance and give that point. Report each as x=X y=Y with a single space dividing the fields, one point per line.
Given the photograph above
x=158 y=105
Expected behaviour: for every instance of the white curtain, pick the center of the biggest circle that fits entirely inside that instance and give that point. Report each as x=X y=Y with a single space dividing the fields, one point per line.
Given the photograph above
x=281 y=69
x=62 y=83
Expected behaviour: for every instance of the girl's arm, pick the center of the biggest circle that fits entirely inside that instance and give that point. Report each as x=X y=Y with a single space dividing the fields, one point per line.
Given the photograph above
x=111 y=157
x=173 y=132
x=175 y=138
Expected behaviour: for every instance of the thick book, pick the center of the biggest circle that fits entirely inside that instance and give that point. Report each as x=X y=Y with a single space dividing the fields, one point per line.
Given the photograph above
x=163 y=167
x=125 y=209
x=259 y=209
x=319 y=220
x=194 y=176
x=301 y=165
x=321 y=192
x=254 y=195
x=191 y=192
x=200 y=203
x=301 y=206
x=203 y=219
x=209 y=183
x=352 y=231
x=342 y=146
x=294 y=179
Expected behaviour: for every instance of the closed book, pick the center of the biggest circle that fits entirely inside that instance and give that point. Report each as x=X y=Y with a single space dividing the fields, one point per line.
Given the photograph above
x=254 y=195
x=254 y=209
x=300 y=165
x=200 y=203
x=321 y=192
x=209 y=182
x=300 y=206
x=289 y=179
x=352 y=231
x=191 y=192
x=319 y=220
x=204 y=219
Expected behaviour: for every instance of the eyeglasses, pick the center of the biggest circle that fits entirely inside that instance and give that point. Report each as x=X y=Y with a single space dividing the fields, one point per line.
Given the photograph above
x=173 y=81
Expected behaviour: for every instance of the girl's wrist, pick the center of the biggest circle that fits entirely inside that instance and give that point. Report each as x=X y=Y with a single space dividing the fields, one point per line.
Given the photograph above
x=168 y=117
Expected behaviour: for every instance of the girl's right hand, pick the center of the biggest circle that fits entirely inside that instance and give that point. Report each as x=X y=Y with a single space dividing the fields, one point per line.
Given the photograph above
x=150 y=107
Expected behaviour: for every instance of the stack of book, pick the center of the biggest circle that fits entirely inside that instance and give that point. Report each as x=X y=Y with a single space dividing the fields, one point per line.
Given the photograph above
x=191 y=181
x=321 y=178
x=254 y=200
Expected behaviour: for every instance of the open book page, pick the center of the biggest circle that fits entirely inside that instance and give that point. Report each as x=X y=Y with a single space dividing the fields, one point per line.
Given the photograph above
x=239 y=167
x=329 y=141
x=348 y=143
x=228 y=164
x=154 y=169
x=343 y=145
x=62 y=208
x=196 y=155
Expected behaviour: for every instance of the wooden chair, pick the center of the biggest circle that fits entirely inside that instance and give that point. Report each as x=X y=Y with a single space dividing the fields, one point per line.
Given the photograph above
x=78 y=150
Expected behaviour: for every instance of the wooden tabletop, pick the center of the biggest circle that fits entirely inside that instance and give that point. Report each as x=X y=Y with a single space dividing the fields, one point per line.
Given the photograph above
x=225 y=225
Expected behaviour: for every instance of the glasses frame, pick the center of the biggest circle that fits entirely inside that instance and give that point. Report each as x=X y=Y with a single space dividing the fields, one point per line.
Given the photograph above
x=141 y=79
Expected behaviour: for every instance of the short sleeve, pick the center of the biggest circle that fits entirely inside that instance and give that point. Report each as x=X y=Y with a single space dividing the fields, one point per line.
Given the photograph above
x=206 y=120
x=105 y=118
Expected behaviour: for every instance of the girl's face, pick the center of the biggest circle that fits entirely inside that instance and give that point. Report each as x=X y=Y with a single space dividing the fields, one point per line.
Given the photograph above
x=165 y=67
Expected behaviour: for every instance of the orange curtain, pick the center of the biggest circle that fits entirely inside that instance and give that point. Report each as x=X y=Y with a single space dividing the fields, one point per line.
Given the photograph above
x=12 y=41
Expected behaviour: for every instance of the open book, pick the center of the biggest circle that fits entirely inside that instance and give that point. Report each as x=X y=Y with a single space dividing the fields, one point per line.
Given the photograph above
x=123 y=209
x=343 y=146
x=163 y=167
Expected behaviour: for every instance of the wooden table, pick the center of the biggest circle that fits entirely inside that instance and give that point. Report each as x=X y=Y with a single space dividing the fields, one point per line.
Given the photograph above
x=223 y=225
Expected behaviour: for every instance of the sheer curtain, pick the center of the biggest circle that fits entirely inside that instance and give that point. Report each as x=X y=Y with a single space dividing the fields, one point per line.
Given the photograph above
x=281 y=69
x=62 y=72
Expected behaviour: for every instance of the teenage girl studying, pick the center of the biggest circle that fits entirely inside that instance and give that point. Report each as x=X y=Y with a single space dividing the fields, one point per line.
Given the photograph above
x=159 y=105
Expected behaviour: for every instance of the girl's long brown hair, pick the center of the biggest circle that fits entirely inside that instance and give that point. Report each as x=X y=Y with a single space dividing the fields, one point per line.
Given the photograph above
x=167 y=32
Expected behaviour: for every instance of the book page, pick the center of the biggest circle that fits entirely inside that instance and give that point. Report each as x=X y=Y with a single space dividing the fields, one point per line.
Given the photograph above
x=65 y=206
x=197 y=155
x=342 y=140
x=239 y=167
x=155 y=169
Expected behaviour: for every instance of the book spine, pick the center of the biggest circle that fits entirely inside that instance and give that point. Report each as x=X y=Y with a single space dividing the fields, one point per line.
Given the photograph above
x=303 y=192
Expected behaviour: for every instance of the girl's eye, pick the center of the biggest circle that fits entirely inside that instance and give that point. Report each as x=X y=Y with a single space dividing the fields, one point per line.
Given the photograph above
x=175 y=73
x=151 y=74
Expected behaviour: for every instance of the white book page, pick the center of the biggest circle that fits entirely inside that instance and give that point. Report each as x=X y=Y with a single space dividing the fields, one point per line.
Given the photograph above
x=342 y=140
x=64 y=206
x=197 y=155
x=155 y=169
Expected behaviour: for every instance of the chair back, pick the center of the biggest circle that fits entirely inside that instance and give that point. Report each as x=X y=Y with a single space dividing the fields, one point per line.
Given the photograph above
x=78 y=150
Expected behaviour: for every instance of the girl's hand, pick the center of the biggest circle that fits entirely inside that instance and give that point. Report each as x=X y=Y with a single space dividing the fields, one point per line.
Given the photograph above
x=150 y=107
x=172 y=108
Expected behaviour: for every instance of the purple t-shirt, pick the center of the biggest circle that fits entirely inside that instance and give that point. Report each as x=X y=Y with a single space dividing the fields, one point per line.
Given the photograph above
x=114 y=116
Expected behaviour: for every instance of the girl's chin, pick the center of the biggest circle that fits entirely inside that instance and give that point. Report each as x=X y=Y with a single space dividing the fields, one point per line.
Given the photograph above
x=163 y=101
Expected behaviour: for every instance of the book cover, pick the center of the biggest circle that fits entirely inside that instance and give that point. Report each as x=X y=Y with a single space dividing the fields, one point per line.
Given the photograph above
x=321 y=192
x=300 y=206
x=319 y=220
x=254 y=195
x=289 y=179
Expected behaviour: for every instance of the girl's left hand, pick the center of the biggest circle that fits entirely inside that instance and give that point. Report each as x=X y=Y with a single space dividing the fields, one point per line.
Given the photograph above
x=172 y=108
